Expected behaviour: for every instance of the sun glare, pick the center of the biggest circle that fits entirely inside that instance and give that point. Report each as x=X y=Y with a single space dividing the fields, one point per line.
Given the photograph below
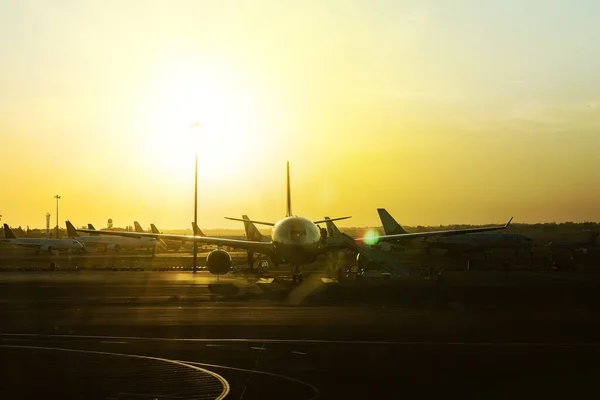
x=371 y=237
x=205 y=110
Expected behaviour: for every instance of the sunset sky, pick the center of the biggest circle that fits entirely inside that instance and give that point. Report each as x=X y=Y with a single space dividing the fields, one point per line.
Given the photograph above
x=442 y=111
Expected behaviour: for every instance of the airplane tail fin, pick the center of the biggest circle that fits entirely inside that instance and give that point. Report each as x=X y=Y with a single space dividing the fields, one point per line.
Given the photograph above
x=332 y=229
x=71 y=232
x=288 y=211
x=252 y=232
x=154 y=228
x=8 y=233
x=138 y=227
x=390 y=226
x=90 y=226
x=197 y=231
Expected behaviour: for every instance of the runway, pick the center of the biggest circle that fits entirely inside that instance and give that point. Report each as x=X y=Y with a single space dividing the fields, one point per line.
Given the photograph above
x=164 y=335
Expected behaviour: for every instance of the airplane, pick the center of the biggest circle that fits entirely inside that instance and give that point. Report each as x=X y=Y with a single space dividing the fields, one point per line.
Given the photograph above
x=112 y=243
x=138 y=228
x=577 y=246
x=294 y=240
x=40 y=243
x=174 y=245
x=466 y=243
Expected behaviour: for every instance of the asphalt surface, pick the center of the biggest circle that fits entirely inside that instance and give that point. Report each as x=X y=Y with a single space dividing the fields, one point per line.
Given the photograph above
x=173 y=335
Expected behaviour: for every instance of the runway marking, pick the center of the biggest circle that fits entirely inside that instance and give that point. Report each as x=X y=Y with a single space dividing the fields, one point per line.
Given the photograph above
x=298 y=352
x=112 y=342
x=315 y=341
x=289 y=378
x=214 y=345
x=253 y=368
x=222 y=380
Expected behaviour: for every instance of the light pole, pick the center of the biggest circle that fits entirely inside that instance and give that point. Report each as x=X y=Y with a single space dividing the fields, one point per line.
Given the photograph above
x=196 y=212
x=57 y=197
x=195 y=124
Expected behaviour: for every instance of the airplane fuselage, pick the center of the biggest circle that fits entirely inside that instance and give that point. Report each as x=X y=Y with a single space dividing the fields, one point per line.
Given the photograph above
x=296 y=240
x=122 y=242
x=55 y=244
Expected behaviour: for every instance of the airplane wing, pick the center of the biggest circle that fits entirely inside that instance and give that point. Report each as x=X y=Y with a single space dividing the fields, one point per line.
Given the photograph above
x=250 y=220
x=450 y=232
x=330 y=219
x=273 y=224
x=259 y=247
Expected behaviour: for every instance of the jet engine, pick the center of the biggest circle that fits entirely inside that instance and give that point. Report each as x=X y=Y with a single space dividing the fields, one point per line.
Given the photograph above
x=218 y=262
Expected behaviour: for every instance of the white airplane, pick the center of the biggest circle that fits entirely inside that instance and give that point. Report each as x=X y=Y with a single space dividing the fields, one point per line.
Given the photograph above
x=295 y=240
x=40 y=243
x=112 y=243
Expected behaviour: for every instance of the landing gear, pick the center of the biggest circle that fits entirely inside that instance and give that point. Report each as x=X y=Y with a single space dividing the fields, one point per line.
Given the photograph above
x=297 y=277
x=250 y=259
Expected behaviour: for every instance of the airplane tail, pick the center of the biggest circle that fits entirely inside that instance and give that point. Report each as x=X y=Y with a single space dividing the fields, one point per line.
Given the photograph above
x=197 y=231
x=332 y=229
x=90 y=226
x=8 y=233
x=154 y=228
x=288 y=211
x=252 y=233
x=138 y=227
x=71 y=232
x=390 y=226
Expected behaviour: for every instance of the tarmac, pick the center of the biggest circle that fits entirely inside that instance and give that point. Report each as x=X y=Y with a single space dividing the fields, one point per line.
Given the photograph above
x=148 y=335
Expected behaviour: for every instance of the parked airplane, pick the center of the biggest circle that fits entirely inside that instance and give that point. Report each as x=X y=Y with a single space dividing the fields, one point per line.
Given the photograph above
x=577 y=246
x=40 y=243
x=467 y=243
x=114 y=243
x=138 y=228
x=295 y=240
x=171 y=244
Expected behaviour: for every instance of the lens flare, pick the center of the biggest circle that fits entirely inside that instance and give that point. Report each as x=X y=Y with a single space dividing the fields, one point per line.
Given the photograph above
x=371 y=237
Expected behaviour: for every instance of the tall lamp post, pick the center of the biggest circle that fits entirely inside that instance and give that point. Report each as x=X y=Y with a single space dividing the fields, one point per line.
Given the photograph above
x=57 y=197
x=195 y=212
x=195 y=124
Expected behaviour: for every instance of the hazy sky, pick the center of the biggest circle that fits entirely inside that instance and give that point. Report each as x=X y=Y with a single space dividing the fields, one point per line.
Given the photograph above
x=441 y=111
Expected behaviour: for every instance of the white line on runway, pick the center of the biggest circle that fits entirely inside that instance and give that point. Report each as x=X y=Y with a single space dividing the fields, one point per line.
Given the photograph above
x=289 y=378
x=222 y=380
x=258 y=348
x=299 y=352
x=315 y=341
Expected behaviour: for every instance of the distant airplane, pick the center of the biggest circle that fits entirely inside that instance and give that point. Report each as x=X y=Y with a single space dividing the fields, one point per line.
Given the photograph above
x=252 y=232
x=466 y=243
x=170 y=244
x=41 y=244
x=112 y=243
x=577 y=246
x=295 y=240
x=138 y=227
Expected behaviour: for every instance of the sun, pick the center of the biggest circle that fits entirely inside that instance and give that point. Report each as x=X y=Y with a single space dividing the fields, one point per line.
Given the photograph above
x=199 y=110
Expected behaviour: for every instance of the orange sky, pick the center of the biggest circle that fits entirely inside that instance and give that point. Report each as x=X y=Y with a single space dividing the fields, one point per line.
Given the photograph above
x=437 y=111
